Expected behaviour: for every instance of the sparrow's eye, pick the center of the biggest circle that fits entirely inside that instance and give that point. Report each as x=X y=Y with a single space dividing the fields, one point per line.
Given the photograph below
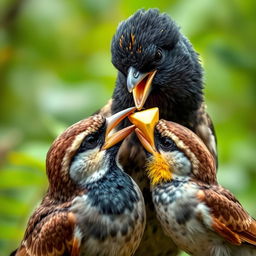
x=89 y=142
x=158 y=55
x=91 y=139
x=167 y=144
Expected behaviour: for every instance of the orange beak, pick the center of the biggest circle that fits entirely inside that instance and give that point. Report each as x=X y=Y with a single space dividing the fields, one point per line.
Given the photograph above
x=145 y=122
x=140 y=85
x=112 y=122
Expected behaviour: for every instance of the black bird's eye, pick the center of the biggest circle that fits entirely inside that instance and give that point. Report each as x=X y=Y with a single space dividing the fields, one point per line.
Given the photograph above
x=89 y=142
x=167 y=144
x=158 y=55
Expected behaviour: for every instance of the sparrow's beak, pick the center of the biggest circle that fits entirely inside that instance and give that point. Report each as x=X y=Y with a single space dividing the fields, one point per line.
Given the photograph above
x=112 y=138
x=140 y=85
x=145 y=122
x=158 y=168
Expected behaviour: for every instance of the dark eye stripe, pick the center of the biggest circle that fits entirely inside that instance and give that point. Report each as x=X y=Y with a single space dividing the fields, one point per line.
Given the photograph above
x=165 y=143
x=92 y=140
x=89 y=142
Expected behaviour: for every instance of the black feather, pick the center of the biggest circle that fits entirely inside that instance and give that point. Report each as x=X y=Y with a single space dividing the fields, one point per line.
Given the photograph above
x=177 y=85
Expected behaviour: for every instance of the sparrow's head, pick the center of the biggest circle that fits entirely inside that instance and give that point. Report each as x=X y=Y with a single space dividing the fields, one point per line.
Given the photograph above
x=174 y=150
x=84 y=152
x=156 y=61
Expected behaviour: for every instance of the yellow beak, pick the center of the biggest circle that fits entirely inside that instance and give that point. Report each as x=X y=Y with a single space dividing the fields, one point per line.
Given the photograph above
x=112 y=122
x=158 y=169
x=145 y=122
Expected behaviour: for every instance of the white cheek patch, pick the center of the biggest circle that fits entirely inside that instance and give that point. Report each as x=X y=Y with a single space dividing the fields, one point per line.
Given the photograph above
x=78 y=168
x=180 y=163
x=87 y=166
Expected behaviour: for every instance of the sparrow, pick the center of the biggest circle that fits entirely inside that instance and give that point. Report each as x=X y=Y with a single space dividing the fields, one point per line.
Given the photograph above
x=197 y=213
x=92 y=207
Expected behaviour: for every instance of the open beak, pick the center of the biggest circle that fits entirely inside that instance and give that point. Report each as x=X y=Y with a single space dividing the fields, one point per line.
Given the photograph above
x=158 y=168
x=112 y=122
x=140 y=85
x=145 y=122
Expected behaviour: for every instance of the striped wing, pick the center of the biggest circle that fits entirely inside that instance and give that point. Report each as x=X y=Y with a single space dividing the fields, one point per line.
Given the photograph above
x=50 y=235
x=230 y=220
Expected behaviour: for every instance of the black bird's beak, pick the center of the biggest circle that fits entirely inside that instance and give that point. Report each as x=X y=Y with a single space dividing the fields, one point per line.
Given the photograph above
x=112 y=122
x=140 y=85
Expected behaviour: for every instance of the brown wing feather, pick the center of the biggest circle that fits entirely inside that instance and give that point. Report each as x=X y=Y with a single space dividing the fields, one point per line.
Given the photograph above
x=76 y=247
x=249 y=236
x=225 y=232
x=230 y=220
x=52 y=234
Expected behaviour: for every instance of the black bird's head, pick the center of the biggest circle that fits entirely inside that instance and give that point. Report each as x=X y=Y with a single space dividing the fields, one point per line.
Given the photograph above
x=157 y=64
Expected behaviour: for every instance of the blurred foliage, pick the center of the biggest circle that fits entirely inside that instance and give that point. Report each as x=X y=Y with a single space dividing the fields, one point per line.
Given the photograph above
x=55 y=69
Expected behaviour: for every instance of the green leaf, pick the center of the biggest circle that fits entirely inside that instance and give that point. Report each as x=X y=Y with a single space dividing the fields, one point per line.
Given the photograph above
x=19 y=178
x=22 y=159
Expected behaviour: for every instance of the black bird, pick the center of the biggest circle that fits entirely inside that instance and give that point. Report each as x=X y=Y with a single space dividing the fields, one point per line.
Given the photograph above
x=157 y=67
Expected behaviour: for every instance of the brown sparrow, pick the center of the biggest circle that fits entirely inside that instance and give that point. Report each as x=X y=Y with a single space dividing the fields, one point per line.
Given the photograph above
x=197 y=213
x=91 y=207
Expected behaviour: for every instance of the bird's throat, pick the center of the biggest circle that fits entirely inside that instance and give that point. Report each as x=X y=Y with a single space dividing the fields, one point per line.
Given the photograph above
x=158 y=170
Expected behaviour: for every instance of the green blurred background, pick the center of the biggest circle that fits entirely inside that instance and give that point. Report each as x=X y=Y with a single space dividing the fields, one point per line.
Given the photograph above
x=55 y=69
